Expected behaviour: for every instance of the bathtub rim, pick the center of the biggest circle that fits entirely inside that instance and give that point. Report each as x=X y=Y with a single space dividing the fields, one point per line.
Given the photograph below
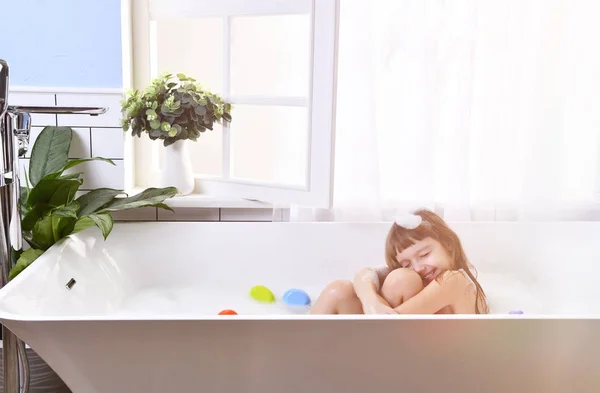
x=7 y=316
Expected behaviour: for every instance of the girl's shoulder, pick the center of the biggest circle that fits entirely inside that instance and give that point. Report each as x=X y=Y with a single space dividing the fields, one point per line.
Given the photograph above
x=455 y=277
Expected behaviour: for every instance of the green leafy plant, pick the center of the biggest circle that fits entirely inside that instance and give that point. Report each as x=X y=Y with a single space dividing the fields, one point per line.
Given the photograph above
x=49 y=208
x=173 y=111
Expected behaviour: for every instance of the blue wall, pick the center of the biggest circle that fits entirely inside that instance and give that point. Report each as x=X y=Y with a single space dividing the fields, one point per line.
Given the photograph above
x=62 y=43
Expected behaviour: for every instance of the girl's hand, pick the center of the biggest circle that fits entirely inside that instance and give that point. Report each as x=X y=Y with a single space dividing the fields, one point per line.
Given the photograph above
x=366 y=285
x=376 y=305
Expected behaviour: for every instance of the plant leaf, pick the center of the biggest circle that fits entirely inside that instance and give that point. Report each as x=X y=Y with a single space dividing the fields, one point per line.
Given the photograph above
x=36 y=213
x=72 y=163
x=26 y=259
x=164 y=206
x=149 y=197
x=14 y=256
x=69 y=210
x=94 y=200
x=71 y=176
x=50 y=152
x=46 y=231
x=82 y=224
x=54 y=192
x=103 y=221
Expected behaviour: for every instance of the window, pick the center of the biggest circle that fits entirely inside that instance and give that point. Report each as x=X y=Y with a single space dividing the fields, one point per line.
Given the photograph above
x=275 y=61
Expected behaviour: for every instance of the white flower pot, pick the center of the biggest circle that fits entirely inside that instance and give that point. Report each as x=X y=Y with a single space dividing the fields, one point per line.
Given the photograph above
x=176 y=168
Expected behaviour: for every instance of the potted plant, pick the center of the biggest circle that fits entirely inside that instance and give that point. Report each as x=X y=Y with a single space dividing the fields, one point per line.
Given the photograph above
x=50 y=212
x=174 y=112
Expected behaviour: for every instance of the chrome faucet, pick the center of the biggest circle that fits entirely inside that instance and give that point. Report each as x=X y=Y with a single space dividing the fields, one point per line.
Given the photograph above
x=15 y=126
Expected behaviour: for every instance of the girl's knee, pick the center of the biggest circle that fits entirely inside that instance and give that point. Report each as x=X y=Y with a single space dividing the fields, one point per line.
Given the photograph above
x=339 y=289
x=400 y=285
x=338 y=297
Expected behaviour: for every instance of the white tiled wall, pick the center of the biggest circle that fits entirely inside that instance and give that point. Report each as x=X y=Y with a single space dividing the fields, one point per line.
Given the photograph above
x=102 y=136
x=86 y=130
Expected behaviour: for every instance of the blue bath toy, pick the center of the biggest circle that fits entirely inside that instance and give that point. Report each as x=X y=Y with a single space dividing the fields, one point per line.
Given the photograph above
x=296 y=297
x=516 y=312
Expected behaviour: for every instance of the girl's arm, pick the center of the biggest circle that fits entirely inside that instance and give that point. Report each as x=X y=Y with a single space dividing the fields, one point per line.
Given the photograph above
x=367 y=284
x=368 y=281
x=436 y=295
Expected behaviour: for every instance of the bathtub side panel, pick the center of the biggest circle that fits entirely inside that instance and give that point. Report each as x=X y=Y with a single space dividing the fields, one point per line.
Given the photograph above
x=321 y=355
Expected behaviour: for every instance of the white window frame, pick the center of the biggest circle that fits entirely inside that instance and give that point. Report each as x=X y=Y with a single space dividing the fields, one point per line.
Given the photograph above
x=139 y=29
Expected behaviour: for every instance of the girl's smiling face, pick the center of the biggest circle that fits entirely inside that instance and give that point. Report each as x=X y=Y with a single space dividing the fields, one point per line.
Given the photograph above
x=427 y=257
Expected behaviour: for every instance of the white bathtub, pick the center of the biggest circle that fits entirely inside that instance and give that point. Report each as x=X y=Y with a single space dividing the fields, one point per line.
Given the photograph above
x=112 y=332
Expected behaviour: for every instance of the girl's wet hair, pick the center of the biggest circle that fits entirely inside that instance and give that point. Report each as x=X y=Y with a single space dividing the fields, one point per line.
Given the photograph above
x=433 y=226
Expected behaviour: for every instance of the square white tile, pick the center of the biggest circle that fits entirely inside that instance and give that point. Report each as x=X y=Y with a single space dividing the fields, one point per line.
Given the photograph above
x=80 y=144
x=110 y=101
x=99 y=174
x=35 y=99
x=108 y=142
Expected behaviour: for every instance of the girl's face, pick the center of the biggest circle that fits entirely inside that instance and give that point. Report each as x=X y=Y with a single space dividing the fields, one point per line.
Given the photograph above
x=427 y=257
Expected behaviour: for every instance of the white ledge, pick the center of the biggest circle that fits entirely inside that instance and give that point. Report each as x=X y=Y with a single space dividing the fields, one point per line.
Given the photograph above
x=208 y=201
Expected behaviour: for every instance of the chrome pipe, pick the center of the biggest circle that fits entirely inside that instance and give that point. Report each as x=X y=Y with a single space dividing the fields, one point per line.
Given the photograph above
x=10 y=342
x=60 y=110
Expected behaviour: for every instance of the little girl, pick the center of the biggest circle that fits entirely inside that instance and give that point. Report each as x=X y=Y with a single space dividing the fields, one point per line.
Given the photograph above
x=427 y=273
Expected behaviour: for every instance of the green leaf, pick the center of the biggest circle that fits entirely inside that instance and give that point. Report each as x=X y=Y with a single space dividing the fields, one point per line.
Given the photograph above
x=149 y=197
x=72 y=163
x=166 y=127
x=103 y=221
x=164 y=206
x=71 y=176
x=94 y=200
x=182 y=77
x=26 y=259
x=69 y=210
x=49 y=230
x=37 y=212
x=54 y=192
x=50 y=152
x=82 y=224
x=14 y=256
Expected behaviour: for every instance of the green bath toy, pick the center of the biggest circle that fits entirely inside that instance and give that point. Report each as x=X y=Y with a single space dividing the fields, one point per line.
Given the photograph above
x=262 y=294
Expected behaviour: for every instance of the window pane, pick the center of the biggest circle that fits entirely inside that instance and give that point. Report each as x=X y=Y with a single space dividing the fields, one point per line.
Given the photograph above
x=193 y=47
x=270 y=55
x=269 y=144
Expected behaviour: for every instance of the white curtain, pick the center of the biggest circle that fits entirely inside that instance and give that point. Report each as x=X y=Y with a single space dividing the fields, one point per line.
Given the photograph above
x=478 y=109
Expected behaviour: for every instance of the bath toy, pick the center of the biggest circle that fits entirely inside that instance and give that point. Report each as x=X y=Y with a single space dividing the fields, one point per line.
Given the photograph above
x=262 y=294
x=228 y=312
x=296 y=297
x=515 y=312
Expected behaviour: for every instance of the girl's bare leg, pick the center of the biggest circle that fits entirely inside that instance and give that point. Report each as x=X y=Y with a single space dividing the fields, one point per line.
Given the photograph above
x=338 y=298
x=400 y=285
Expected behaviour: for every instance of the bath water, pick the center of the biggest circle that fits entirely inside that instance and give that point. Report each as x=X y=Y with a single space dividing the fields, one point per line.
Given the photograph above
x=207 y=301
x=503 y=294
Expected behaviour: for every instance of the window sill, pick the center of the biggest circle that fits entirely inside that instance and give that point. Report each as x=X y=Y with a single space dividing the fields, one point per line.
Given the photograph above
x=208 y=201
